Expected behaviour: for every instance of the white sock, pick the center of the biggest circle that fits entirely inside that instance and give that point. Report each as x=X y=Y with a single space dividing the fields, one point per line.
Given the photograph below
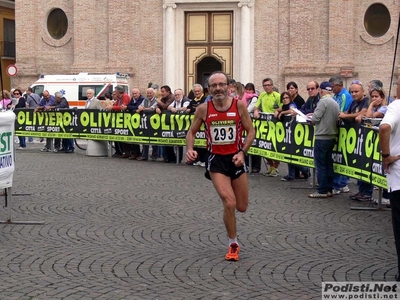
x=231 y=241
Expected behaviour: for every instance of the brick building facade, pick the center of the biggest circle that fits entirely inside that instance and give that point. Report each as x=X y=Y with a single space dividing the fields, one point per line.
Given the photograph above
x=172 y=42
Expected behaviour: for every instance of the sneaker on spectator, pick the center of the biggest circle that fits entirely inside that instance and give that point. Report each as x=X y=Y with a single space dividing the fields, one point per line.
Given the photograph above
x=363 y=198
x=286 y=178
x=45 y=150
x=268 y=171
x=354 y=196
x=345 y=189
x=202 y=164
x=197 y=163
x=55 y=150
x=274 y=173
x=21 y=148
x=336 y=192
x=385 y=202
x=329 y=194
x=317 y=195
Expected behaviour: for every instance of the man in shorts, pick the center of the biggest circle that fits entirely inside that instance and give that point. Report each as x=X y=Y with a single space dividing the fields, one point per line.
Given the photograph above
x=224 y=119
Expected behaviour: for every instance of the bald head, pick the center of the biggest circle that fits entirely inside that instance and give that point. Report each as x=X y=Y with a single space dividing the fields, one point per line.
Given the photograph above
x=135 y=93
x=357 y=91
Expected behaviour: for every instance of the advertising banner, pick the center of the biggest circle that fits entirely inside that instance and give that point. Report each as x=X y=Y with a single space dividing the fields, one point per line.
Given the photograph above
x=356 y=153
x=7 y=120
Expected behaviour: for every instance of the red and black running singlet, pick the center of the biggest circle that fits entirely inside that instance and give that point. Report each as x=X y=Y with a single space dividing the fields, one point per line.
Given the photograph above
x=223 y=129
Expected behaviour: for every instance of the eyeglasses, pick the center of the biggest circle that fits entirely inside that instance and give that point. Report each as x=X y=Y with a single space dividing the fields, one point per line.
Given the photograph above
x=215 y=85
x=16 y=94
x=357 y=82
x=311 y=89
x=268 y=84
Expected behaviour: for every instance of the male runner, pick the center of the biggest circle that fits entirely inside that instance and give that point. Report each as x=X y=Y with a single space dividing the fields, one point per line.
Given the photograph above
x=224 y=119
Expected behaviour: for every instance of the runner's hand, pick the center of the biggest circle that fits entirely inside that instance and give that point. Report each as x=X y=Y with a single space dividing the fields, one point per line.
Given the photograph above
x=191 y=156
x=238 y=159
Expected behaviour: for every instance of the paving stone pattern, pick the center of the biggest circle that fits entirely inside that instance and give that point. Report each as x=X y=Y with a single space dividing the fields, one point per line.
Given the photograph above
x=120 y=229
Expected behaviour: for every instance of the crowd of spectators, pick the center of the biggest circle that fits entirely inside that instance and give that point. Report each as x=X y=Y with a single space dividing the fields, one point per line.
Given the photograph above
x=354 y=105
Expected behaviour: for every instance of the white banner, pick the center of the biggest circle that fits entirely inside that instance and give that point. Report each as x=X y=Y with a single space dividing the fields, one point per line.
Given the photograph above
x=7 y=120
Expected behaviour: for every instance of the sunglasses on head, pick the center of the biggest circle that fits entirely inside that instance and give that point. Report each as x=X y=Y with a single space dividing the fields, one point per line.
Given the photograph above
x=357 y=82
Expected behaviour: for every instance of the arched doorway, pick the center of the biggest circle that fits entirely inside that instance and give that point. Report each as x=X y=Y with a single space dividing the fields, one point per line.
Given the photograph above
x=209 y=45
x=204 y=68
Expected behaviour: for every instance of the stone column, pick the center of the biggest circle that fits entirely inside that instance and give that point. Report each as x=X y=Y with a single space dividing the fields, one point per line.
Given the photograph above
x=246 y=68
x=169 y=44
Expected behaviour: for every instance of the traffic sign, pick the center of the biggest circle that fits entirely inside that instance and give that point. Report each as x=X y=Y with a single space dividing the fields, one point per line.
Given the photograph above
x=12 y=70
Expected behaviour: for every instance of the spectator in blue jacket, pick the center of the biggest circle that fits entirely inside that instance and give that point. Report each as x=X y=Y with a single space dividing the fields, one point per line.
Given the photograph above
x=344 y=100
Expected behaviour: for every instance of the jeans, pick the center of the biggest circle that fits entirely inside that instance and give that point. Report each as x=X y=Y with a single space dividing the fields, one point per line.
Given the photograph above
x=145 y=151
x=365 y=188
x=162 y=153
x=49 y=143
x=256 y=162
x=340 y=181
x=22 y=141
x=57 y=144
x=68 y=144
x=324 y=164
x=395 y=205
x=292 y=170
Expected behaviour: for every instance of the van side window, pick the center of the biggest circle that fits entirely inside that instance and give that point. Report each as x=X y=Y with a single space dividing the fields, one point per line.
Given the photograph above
x=101 y=95
x=38 y=89
x=126 y=88
x=99 y=91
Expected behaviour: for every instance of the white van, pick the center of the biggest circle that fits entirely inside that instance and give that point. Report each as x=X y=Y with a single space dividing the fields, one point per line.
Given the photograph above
x=74 y=87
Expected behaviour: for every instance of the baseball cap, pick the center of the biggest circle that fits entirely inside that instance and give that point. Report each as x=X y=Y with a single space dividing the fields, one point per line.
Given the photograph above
x=326 y=85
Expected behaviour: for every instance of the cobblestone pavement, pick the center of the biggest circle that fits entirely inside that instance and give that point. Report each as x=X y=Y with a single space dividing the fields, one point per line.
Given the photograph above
x=120 y=229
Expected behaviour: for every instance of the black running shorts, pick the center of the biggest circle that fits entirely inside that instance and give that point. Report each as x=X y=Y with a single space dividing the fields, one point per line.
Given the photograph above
x=223 y=164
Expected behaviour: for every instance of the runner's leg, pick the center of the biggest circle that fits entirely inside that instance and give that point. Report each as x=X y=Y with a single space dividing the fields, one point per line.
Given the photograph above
x=223 y=186
x=241 y=190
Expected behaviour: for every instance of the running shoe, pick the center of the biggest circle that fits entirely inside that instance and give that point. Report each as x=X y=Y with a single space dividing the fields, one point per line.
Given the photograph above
x=233 y=252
